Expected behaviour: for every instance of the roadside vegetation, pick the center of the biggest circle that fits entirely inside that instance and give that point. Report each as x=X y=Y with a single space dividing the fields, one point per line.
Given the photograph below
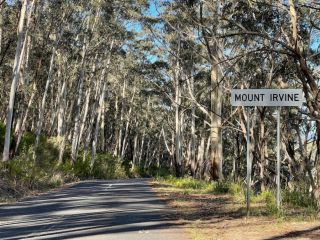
x=24 y=174
x=294 y=204
x=217 y=210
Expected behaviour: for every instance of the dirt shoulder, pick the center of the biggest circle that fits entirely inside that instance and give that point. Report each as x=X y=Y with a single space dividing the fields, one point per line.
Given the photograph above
x=213 y=217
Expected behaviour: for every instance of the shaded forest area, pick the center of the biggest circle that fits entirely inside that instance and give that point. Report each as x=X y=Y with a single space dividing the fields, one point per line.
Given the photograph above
x=106 y=89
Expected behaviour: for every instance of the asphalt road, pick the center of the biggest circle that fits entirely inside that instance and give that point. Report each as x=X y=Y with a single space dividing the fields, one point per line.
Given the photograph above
x=115 y=210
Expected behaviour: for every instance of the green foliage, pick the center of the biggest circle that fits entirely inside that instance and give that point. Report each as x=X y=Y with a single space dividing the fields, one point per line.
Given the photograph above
x=222 y=188
x=262 y=197
x=105 y=166
x=271 y=204
x=235 y=189
x=47 y=152
x=27 y=141
x=2 y=134
x=152 y=171
x=140 y=171
x=185 y=183
x=189 y=183
x=299 y=199
x=23 y=173
x=162 y=172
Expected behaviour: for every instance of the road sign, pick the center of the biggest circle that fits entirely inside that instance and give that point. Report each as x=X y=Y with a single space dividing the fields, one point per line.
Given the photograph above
x=267 y=97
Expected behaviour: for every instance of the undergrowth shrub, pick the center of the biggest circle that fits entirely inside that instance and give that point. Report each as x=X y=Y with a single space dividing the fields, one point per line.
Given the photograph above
x=2 y=134
x=189 y=183
x=105 y=166
x=27 y=141
x=271 y=204
x=152 y=171
x=299 y=199
x=23 y=173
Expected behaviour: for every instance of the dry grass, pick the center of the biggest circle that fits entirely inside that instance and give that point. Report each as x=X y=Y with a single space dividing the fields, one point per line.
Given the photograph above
x=210 y=216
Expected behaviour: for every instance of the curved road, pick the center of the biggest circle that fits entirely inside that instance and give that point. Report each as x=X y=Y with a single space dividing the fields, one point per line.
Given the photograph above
x=113 y=210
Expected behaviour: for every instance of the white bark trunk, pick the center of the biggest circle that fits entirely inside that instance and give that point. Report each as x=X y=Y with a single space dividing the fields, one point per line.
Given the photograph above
x=76 y=131
x=135 y=148
x=21 y=130
x=143 y=134
x=16 y=71
x=193 y=131
x=126 y=132
x=121 y=114
x=177 y=121
x=1 y=22
x=102 y=126
x=215 y=130
x=44 y=98
x=165 y=142
x=96 y=130
x=85 y=113
x=61 y=110
x=200 y=157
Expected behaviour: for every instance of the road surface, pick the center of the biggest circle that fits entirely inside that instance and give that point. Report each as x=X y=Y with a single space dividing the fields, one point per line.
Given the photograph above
x=112 y=210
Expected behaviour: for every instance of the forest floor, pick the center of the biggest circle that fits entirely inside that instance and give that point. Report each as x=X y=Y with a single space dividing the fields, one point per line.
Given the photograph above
x=210 y=216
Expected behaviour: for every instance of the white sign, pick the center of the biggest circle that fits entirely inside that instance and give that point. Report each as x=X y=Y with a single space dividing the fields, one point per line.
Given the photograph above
x=266 y=97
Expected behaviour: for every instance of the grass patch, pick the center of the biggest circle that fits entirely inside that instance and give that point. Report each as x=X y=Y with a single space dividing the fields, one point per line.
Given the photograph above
x=189 y=184
x=295 y=205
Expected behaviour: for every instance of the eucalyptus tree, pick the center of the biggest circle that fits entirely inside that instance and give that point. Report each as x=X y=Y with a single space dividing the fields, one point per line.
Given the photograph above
x=21 y=43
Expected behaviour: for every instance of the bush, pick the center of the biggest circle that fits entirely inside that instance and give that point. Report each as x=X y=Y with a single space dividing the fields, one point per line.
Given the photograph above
x=189 y=183
x=2 y=134
x=186 y=183
x=22 y=172
x=105 y=166
x=271 y=204
x=27 y=141
x=299 y=199
x=222 y=188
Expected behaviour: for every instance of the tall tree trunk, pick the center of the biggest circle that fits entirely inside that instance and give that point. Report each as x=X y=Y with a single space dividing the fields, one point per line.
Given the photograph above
x=76 y=130
x=193 y=132
x=96 y=130
x=44 y=99
x=135 y=152
x=121 y=114
x=16 y=72
x=67 y=121
x=21 y=130
x=85 y=112
x=116 y=128
x=103 y=127
x=177 y=121
x=126 y=132
x=215 y=130
x=143 y=134
x=61 y=110
x=61 y=119
x=1 y=23
x=200 y=158
x=263 y=149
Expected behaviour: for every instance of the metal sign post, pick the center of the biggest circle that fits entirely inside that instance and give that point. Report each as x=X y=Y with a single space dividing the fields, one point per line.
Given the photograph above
x=278 y=159
x=269 y=98
x=248 y=162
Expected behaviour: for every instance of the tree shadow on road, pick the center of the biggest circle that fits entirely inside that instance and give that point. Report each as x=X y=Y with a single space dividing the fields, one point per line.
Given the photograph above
x=87 y=209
